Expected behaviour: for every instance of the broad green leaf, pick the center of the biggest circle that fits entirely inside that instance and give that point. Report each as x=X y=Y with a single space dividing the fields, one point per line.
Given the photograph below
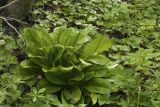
x=96 y=46
x=61 y=77
x=104 y=99
x=26 y=73
x=55 y=53
x=42 y=90
x=81 y=38
x=84 y=63
x=94 y=98
x=66 y=69
x=50 y=88
x=82 y=105
x=28 y=64
x=57 y=33
x=37 y=36
x=67 y=36
x=72 y=94
x=77 y=76
x=41 y=61
x=99 y=59
x=88 y=75
x=53 y=98
x=97 y=70
x=57 y=78
x=63 y=100
x=83 y=35
x=70 y=37
x=59 y=69
x=98 y=85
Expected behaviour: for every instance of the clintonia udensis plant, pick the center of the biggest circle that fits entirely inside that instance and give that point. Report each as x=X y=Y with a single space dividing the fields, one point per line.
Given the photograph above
x=69 y=62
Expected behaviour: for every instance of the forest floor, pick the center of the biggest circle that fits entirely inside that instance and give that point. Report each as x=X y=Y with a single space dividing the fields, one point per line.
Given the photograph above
x=115 y=61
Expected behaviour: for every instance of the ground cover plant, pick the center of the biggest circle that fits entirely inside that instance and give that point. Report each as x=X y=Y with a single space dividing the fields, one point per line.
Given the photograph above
x=88 y=53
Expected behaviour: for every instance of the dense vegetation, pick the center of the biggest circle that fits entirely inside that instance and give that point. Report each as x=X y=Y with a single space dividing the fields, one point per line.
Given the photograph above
x=83 y=53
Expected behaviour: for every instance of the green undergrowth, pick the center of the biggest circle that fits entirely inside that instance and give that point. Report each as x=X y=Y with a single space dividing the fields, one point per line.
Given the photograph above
x=96 y=53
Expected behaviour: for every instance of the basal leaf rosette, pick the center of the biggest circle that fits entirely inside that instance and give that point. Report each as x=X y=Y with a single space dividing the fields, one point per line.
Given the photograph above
x=70 y=62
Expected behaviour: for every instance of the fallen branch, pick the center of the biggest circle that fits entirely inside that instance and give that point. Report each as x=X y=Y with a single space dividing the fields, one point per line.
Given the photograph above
x=19 y=21
x=8 y=4
x=10 y=25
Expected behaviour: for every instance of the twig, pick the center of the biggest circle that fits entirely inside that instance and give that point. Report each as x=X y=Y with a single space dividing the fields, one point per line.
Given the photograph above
x=19 y=21
x=11 y=25
x=11 y=18
x=8 y=4
x=13 y=29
